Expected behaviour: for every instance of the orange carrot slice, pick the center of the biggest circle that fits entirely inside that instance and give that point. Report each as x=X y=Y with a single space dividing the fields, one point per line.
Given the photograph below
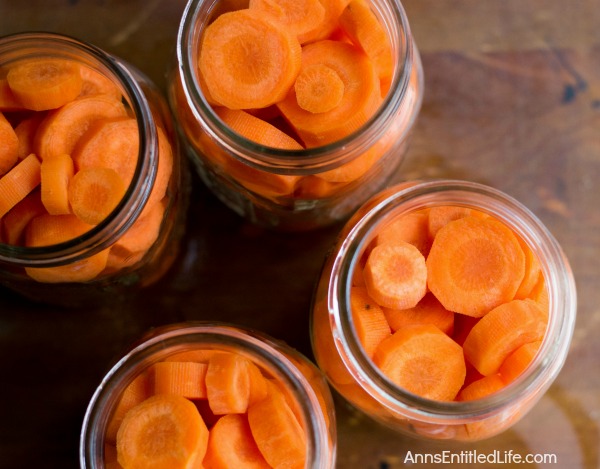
x=315 y=187
x=539 y=294
x=9 y=146
x=196 y=355
x=364 y=29
x=95 y=82
x=369 y=321
x=481 y=388
x=331 y=23
x=359 y=102
x=15 y=221
x=474 y=265
x=501 y=331
x=62 y=128
x=228 y=383
x=441 y=215
x=518 y=361
x=25 y=131
x=427 y=311
x=318 y=88
x=302 y=17
x=8 y=101
x=276 y=431
x=163 y=431
x=248 y=61
x=231 y=444
x=412 y=228
x=395 y=275
x=423 y=360
x=45 y=83
x=163 y=171
x=23 y=178
x=258 y=384
x=56 y=173
x=185 y=379
x=94 y=193
x=532 y=272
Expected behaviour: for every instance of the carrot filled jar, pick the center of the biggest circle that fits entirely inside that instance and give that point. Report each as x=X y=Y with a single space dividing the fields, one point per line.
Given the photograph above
x=210 y=395
x=91 y=198
x=295 y=113
x=445 y=310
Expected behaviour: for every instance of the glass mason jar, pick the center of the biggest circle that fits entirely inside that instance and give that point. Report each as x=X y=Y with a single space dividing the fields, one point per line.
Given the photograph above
x=294 y=190
x=138 y=240
x=354 y=375
x=307 y=390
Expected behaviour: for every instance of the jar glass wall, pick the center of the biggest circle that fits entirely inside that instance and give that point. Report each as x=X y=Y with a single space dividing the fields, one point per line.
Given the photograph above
x=354 y=375
x=305 y=188
x=120 y=123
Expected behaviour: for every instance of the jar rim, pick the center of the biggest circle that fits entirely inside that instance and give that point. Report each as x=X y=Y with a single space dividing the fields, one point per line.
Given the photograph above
x=304 y=161
x=164 y=341
x=101 y=236
x=555 y=267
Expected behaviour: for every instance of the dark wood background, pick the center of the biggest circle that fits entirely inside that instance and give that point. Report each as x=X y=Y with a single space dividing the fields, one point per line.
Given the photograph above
x=512 y=100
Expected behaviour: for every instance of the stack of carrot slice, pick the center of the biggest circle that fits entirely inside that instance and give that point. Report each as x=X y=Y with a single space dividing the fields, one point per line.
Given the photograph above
x=205 y=408
x=68 y=150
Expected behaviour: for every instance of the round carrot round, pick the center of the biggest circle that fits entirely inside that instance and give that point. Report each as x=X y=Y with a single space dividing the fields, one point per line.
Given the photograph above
x=318 y=88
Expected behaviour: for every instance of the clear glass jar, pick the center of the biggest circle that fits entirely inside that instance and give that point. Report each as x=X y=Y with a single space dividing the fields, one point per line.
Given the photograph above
x=301 y=379
x=293 y=190
x=36 y=271
x=340 y=355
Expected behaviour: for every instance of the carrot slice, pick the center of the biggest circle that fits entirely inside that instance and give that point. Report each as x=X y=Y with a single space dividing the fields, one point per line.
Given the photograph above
x=228 y=383
x=360 y=99
x=539 y=294
x=25 y=131
x=427 y=311
x=248 y=61
x=163 y=431
x=23 y=178
x=501 y=331
x=9 y=146
x=331 y=23
x=369 y=321
x=441 y=215
x=94 y=193
x=302 y=17
x=412 y=228
x=423 y=360
x=185 y=379
x=395 y=275
x=163 y=171
x=276 y=431
x=95 y=82
x=56 y=172
x=197 y=355
x=258 y=384
x=318 y=88
x=15 y=221
x=315 y=187
x=231 y=444
x=532 y=272
x=474 y=265
x=8 y=101
x=136 y=392
x=518 y=361
x=45 y=83
x=62 y=128
x=481 y=388
x=364 y=29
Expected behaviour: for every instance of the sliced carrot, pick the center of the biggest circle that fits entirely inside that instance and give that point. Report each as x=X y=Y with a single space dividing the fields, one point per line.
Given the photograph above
x=110 y=143
x=248 y=61
x=94 y=82
x=502 y=331
x=315 y=187
x=25 y=131
x=23 y=178
x=196 y=355
x=412 y=228
x=355 y=168
x=9 y=146
x=369 y=321
x=427 y=311
x=395 y=275
x=15 y=221
x=333 y=10
x=359 y=102
x=539 y=294
x=44 y=84
x=62 y=128
x=481 y=388
x=276 y=431
x=518 y=361
x=231 y=445
x=441 y=215
x=532 y=272
x=258 y=384
x=164 y=171
x=56 y=174
x=8 y=101
x=163 y=431
x=185 y=379
x=94 y=193
x=422 y=360
x=362 y=26
x=256 y=129
x=303 y=18
x=318 y=88
x=228 y=383
x=140 y=389
x=474 y=265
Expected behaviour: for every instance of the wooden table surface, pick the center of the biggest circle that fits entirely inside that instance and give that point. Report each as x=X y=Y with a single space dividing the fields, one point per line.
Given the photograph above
x=512 y=100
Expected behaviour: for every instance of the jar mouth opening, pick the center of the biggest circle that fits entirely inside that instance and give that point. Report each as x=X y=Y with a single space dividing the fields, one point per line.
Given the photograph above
x=559 y=282
x=167 y=340
x=282 y=161
x=31 y=44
